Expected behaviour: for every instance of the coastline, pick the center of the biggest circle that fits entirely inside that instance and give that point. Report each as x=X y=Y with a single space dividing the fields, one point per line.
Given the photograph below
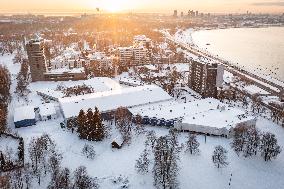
x=192 y=42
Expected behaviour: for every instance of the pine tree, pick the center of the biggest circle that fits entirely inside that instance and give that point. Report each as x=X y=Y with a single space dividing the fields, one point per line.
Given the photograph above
x=219 y=157
x=268 y=146
x=192 y=144
x=142 y=164
x=90 y=124
x=81 y=120
x=100 y=131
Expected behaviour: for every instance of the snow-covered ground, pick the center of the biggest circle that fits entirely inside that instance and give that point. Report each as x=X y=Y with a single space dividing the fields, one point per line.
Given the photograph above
x=195 y=171
x=9 y=146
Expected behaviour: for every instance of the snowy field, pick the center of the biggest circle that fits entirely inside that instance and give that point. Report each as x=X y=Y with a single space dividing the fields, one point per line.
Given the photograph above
x=10 y=145
x=196 y=171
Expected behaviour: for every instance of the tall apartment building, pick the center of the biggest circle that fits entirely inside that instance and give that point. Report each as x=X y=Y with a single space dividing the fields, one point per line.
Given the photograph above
x=175 y=13
x=40 y=65
x=205 y=78
x=37 y=59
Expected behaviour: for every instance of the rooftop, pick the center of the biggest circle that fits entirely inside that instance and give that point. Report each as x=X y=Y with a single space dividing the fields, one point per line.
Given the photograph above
x=24 y=113
x=111 y=100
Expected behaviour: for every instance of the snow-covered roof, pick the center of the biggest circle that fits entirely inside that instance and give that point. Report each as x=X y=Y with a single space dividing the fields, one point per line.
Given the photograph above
x=47 y=109
x=205 y=112
x=173 y=109
x=99 y=84
x=111 y=100
x=66 y=70
x=24 y=113
x=218 y=119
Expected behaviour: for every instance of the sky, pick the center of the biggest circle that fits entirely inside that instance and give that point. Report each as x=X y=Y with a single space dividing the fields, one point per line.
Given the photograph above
x=212 y=6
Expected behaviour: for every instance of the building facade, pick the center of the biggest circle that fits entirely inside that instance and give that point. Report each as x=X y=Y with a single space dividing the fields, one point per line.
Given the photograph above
x=37 y=59
x=42 y=70
x=205 y=78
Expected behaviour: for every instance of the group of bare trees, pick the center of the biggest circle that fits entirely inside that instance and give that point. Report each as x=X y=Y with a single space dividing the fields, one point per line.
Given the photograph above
x=45 y=161
x=165 y=153
x=248 y=141
x=77 y=90
x=254 y=102
x=5 y=83
x=123 y=122
x=23 y=78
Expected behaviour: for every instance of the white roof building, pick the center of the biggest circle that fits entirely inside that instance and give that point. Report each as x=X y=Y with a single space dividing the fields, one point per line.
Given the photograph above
x=99 y=84
x=203 y=116
x=47 y=111
x=24 y=113
x=111 y=100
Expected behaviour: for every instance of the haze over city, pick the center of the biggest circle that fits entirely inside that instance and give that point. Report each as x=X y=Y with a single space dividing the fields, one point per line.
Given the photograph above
x=160 y=6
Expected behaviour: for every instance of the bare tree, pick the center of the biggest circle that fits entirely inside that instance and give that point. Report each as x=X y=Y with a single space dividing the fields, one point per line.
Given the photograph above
x=82 y=180
x=166 y=156
x=192 y=144
x=219 y=157
x=268 y=147
x=123 y=122
x=89 y=151
x=142 y=164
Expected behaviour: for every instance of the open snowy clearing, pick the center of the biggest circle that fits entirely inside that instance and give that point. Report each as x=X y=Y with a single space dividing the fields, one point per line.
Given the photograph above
x=196 y=171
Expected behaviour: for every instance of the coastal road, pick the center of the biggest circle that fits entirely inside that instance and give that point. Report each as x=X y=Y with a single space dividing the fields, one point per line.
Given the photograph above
x=269 y=86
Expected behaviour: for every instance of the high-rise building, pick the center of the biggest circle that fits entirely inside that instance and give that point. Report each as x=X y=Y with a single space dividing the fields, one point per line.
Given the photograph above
x=205 y=78
x=175 y=13
x=40 y=67
x=196 y=13
x=37 y=59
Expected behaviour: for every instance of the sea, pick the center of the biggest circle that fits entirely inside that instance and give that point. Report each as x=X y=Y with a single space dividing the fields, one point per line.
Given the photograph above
x=260 y=50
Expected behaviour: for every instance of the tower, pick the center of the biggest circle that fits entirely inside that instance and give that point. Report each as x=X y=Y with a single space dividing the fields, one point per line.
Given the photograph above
x=175 y=13
x=37 y=60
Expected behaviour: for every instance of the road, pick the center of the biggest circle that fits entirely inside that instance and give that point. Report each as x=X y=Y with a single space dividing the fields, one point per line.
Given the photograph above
x=262 y=83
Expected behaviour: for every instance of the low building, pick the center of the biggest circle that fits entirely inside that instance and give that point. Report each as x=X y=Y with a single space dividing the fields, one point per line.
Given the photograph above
x=107 y=102
x=24 y=116
x=47 y=112
x=117 y=143
x=206 y=116
x=64 y=74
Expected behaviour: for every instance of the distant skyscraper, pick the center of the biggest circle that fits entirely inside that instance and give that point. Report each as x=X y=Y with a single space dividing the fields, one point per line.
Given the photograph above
x=175 y=13
x=181 y=14
x=196 y=13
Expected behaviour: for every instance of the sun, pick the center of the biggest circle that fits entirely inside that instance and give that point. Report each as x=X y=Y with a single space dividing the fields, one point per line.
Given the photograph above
x=112 y=5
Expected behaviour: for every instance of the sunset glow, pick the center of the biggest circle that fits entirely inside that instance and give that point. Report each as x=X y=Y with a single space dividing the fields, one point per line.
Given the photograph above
x=163 y=6
x=112 y=5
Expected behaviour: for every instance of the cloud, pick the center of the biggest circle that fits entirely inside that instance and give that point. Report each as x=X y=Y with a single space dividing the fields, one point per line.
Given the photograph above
x=276 y=3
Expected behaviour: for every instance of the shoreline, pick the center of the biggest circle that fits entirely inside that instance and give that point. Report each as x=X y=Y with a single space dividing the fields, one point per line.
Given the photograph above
x=194 y=44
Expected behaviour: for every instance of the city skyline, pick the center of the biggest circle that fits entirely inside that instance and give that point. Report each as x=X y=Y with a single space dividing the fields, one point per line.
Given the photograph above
x=159 y=6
